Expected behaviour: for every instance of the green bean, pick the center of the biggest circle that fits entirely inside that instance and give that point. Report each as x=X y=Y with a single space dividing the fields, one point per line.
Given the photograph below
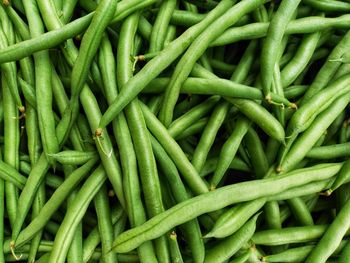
x=229 y=150
x=204 y=4
x=54 y=202
x=256 y=153
x=9 y=69
x=144 y=28
x=311 y=135
x=180 y=124
x=218 y=199
x=138 y=129
x=68 y=9
x=196 y=49
x=89 y=44
x=105 y=224
x=342 y=177
x=300 y=211
x=304 y=25
x=10 y=174
x=93 y=238
x=159 y=63
x=28 y=92
x=11 y=148
x=273 y=39
x=2 y=216
x=292 y=92
x=62 y=101
x=43 y=87
x=298 y=254
x=71 y=157
x=186 y=18
x=236 y=164
x=230 y=245
x=161 y=24
x=332 y=237
x=37 y=206
x=191 y=229
x=308 y=111
x=110 y=163
x=176 y=256
x=20 y=26
x=75 y=251
x=208 y=136
x=189 y=173
x=329 y=152
x=75 y=213
x=329 y=5
x=261 y=117
x=289 y=235
x=58 y=35
x=195 y=128
x=121 y=131
x=300 y=59
x=344 y=256
x=233 y=219
x=208 y=87
x=328 y=69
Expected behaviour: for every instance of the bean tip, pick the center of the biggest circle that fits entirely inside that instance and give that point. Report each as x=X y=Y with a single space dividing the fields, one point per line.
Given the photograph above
x=98 y=132
x=279 y=169
x=12 y=248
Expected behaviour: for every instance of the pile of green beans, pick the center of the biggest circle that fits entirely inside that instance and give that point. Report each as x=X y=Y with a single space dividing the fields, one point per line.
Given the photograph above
x=174 y=131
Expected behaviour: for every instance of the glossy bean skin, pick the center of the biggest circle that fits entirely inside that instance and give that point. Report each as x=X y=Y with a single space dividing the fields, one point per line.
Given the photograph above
x=305 y=25
x=214 y=200
x=71 y=157
x=261 y=117
x=298 y=254
x=10 y=174
x=161 y=25
x=273 y=39
x=215 y=86
x=300 y=60
x=289 y=235
x=329 y=152
x=234 y=218
x=329 y=6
